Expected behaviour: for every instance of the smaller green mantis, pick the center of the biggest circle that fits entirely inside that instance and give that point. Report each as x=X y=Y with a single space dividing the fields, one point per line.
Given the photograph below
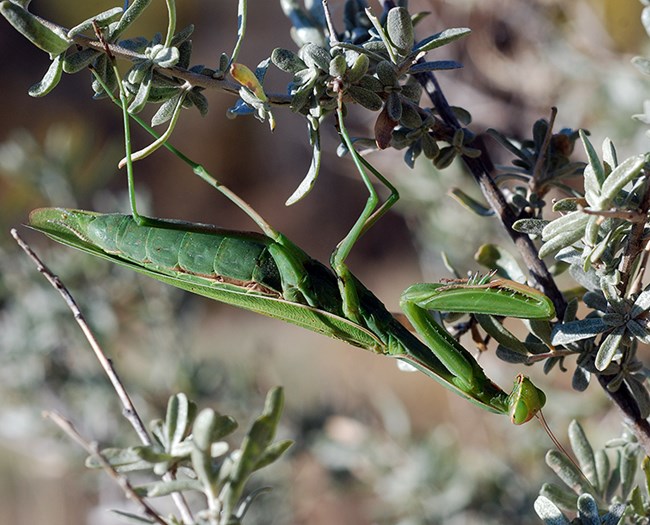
x=269 y=274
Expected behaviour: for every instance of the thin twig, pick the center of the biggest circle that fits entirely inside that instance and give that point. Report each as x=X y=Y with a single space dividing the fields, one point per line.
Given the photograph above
x=195 y=79
x=91 y=448
x=128 y=409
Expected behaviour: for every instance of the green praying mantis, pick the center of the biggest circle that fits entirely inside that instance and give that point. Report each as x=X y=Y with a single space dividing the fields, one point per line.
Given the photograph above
x=270 y=275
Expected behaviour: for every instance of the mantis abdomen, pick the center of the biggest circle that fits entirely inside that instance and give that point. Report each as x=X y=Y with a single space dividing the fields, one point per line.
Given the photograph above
x=223 y=256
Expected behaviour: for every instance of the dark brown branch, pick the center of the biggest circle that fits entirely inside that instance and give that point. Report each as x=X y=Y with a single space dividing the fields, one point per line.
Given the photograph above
x=481 y=169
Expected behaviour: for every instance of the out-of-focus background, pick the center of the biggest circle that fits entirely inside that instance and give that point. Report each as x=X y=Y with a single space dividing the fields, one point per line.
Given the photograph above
x=373 y=444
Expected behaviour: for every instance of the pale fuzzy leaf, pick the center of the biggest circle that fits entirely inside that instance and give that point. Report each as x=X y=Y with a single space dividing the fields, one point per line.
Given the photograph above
x=583 y=451
x=548 y=511
x=566 y=333
x=50 y=79
x=314 y=168
x=624 y=173
x=442 y=38
x=608 y=348
x=588 y=510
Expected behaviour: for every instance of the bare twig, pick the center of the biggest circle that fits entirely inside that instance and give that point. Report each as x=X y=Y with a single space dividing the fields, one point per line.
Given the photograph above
x=129 y=411
x=91 y=448
x=195 y=79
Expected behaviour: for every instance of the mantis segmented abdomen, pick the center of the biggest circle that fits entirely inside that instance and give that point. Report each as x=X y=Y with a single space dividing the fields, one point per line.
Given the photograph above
x=206 y=252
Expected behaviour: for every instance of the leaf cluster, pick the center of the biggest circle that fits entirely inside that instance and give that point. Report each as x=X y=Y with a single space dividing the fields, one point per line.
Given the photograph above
x=189 y=445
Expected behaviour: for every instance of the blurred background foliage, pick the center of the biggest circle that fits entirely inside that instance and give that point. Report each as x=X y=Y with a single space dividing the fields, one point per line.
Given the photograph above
x=373 y=445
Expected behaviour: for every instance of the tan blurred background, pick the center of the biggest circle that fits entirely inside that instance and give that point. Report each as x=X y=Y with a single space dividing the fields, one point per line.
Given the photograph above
x=373 y=445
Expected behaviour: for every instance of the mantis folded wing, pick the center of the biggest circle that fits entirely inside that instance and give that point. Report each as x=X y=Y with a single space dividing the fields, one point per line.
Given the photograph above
x=274 y=277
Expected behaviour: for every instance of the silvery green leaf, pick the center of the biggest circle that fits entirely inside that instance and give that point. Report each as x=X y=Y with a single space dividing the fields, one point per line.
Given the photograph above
x=595 y=300
x=613 y=517
x=588 y=510
x=287 y=60
x=157 y=489
x=366 y=98
x=386 y=73
x=614 y=319
x=358 y=68
x=602 y=469
x=639 y=330
x=165 y=57
x=587 y=279
x=129 y=16
x=624 y=173
x=371 y=83
x=400 y=29
x=203 y=428
x=610 y=158
x=140 y=100
x=52 y=41
x=573 y=331
x=412 y=91
x=314 y=168
x=179 y=416
x=75 y=62
x=560 y=496
x=429 y=145
x=530 y=226
x=410 y=117
x=338 y=66
x=436 y=65
x=442 y=38
x=583 y=451
x=549 y=512
x=641 y=303
x=50 y=79
x=608 y=348
x=572 y=221
x=102 y=19
x=272 y=453
x=182 y=36
x=394 y=107
x=580 y=379
x=315 y=57
x=166 y=111
x=629 y=469
x=569 y=236
x=566 y=205
x=199 y=100
x=567 y=472
x=597 y=172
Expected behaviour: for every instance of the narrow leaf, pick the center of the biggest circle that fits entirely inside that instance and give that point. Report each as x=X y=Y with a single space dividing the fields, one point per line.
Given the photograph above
x=583 y=451
x=314 y=168
x=442 y=38
x=34 y=29
x=549 y=512
x=608 y=348
x=570 y=332
x=50 y=80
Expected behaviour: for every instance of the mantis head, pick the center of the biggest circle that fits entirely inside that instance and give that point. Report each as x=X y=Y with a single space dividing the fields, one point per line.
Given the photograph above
x=525 y=400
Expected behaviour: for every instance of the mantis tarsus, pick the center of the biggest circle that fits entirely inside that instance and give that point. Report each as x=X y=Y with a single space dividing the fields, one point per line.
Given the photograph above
x=268 y=274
